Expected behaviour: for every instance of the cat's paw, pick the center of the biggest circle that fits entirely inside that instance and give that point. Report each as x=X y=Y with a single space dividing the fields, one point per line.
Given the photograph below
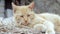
x=40 y=27
x=50 y=31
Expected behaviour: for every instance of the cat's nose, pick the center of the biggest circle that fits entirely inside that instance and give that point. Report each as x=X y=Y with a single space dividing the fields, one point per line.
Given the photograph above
x=25 y=21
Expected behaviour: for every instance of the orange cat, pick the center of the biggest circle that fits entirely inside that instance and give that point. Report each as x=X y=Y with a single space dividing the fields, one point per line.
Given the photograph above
x=24 y=15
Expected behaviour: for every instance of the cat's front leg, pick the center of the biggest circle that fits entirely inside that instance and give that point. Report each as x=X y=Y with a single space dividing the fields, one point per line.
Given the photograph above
x=50 y=27
x=50 y=31
x=40 y=27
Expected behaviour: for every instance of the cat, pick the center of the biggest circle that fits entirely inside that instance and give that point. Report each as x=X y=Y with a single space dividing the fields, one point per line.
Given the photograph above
x=24 y=15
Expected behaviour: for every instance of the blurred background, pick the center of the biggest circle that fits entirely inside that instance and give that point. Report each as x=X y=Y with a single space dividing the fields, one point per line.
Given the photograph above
x=41 y=6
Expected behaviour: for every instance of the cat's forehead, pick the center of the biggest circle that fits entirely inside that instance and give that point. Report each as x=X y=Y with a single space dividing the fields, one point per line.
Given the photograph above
x=23 y=9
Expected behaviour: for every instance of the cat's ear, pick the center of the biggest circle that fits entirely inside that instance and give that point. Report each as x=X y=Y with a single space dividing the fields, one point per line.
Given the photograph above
x=14 y=7
x=31 y=5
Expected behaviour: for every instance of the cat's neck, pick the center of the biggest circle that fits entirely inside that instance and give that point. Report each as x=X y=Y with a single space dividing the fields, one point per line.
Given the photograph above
x=37 y=17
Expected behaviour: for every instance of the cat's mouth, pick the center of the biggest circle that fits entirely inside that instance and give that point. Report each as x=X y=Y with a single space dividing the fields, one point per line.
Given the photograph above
x=25 y=24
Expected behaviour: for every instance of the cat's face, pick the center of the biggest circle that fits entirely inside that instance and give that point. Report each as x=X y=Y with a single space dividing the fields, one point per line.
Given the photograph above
x=23 y=14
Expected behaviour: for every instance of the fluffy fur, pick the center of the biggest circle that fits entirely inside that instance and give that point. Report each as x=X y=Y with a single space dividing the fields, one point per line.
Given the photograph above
x=53 y=18
x=24 y=15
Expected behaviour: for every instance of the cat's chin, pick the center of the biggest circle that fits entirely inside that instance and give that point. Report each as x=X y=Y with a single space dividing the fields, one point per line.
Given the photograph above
x=25 y=24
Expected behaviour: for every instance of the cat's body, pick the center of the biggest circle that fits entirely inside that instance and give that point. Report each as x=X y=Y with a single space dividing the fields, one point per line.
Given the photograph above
x=24 y=15
x=53 y=18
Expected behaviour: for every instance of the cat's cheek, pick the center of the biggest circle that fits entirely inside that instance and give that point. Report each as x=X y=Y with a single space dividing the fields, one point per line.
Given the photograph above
x=32 y=16
x=22 y=21
x=29 y=20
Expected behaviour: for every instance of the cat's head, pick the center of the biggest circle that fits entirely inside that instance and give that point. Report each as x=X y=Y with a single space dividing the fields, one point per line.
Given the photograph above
x=23 y=14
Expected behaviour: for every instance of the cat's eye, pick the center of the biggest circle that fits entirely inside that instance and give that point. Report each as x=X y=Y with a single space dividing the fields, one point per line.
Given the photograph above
x=21 y=16
x=28 y=15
